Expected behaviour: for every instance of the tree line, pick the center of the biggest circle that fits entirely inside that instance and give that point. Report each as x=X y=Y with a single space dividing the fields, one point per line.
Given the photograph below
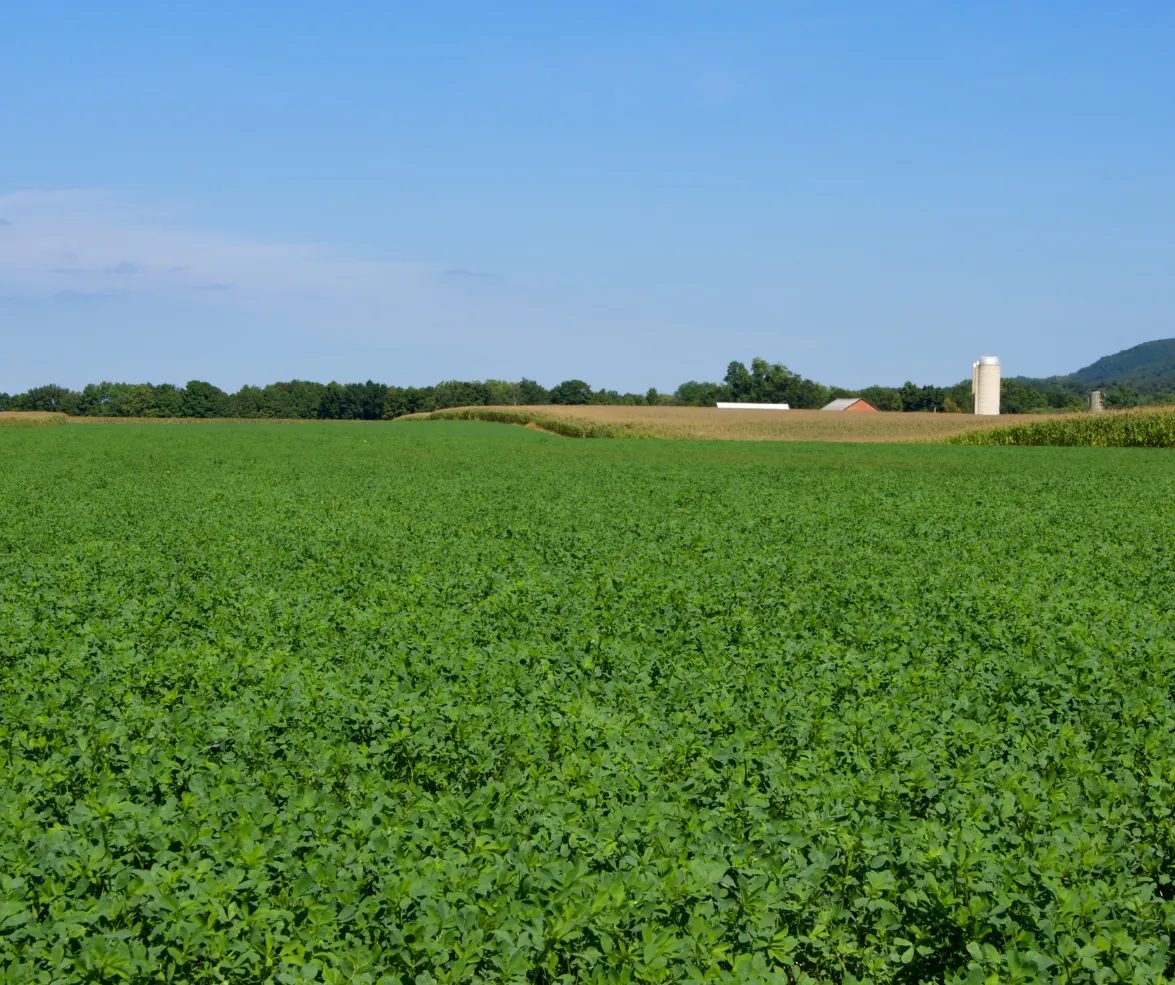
x=762 y=382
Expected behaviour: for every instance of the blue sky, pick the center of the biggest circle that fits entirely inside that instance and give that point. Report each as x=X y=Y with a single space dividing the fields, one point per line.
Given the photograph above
x=633 y=193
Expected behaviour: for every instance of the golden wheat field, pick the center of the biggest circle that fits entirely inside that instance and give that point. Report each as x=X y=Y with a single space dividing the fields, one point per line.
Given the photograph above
x=654 y=422
x=763 y=425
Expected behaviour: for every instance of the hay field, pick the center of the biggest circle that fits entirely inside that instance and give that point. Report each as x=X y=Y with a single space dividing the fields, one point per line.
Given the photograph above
x=747 y=425
x=30 y=419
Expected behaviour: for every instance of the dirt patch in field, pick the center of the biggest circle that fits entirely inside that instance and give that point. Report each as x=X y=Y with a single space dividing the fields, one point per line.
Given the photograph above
x=767 y=425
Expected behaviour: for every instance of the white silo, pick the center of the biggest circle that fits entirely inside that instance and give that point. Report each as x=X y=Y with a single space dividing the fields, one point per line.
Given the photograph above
x=985 y=385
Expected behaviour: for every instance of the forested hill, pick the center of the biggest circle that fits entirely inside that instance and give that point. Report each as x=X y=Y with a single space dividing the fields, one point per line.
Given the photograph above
x=1151 y=362
x=1148 y=368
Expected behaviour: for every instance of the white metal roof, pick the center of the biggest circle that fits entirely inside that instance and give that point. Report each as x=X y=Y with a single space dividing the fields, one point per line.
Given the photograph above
x=727 y=405
x=841 y=403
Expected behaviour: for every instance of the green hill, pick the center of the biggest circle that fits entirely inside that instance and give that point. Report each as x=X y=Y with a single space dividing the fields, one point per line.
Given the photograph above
x=1150 y=363
x=1146 y=370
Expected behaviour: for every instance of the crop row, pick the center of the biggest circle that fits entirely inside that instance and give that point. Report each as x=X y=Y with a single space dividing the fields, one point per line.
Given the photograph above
x=1145 y=429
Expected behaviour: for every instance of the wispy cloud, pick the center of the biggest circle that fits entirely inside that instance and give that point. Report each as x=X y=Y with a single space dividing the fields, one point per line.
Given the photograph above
x=126 y=267
x=207 y=287
x=105 y=243
x=72 y=296
x=76 y=261
x=461 y=274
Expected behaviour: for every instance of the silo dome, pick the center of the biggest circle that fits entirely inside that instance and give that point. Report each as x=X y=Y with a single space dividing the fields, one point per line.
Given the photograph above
x=989 y=360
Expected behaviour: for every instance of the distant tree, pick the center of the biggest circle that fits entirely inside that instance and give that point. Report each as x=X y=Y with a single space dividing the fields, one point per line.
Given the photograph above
x=1061 y=399
x=345 y=402
x=739 y=382
x=921 y=398
x=107 y=399
x=500 y=393
x=1122 y=395
x=94 y=400
x=47 y=398
x=932 y=397
x=883 y=397
x=306 y=400
x=652 y=397
x=408 y=400
x=695 y=394
x=571 y=392
x=169 y=401
x=802 y=393
x=333 y=405
x=617 y=399
x=773 y=383
x=249 y=401
x=297 y=398
x=456 y=393
x=960 y=396
x=767 y=380
x=1019 y=398
x=205 y=400
x=371 y=400
x=5 y=402
x=354 y=399
x=137 y=400
x=530 y=392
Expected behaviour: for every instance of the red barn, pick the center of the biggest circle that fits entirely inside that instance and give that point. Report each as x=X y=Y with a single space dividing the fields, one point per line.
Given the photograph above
x=851 y=403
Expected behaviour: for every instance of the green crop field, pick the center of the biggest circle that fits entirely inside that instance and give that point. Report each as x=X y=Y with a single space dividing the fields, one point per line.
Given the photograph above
x=471 y=703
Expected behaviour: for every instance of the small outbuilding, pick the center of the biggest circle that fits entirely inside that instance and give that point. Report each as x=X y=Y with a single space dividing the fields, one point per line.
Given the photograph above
x=850 y=403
